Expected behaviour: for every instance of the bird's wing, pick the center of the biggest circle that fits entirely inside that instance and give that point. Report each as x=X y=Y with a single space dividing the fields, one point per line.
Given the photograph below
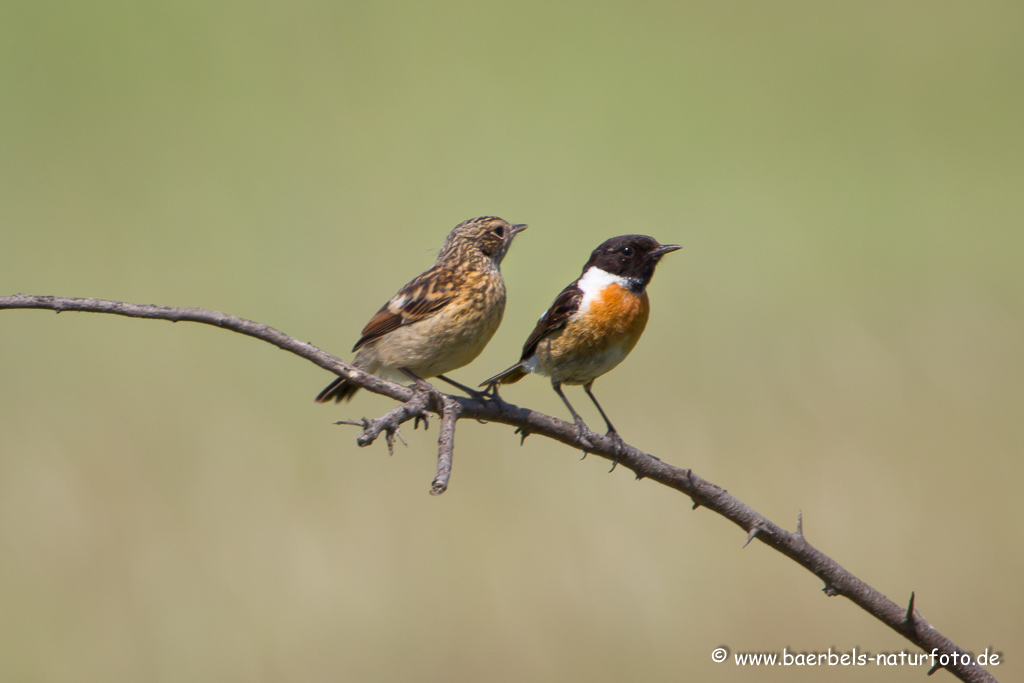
x=418 y=300
x=563 y=308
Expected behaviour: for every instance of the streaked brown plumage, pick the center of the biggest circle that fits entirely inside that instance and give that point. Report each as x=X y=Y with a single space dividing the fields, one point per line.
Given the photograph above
x=442 y=319
x=593 y=323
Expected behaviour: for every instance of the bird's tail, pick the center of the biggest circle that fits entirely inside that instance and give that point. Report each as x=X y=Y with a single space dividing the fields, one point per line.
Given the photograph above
x=510 y=376
x=338 y=390
x=342 y=389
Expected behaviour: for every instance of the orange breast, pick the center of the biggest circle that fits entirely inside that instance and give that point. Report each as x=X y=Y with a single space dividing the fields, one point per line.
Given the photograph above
x=597 y=339
x=619 y=314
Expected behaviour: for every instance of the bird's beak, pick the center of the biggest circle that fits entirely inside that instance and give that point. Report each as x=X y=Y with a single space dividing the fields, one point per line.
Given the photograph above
x=664 y=249
x=518 y=228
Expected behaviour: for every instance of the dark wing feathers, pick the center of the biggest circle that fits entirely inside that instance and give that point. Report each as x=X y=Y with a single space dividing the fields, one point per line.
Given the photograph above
x=563 y=307
x=421 y=298
x=554 y=319
x=382 y=322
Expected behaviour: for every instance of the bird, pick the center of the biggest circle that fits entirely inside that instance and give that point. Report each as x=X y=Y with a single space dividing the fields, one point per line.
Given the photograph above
x=443 y=318
x=593 y=323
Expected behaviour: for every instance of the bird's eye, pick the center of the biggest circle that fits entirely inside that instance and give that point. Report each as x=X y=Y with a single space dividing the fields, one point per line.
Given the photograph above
x=499 y=231
x=627 y=251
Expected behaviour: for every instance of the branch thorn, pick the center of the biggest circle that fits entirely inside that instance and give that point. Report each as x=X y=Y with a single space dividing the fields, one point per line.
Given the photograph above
x=523 y=433
x=390 y=435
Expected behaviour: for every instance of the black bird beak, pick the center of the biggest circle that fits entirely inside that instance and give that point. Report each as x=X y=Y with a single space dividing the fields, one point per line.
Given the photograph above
x=664 y=249
x=517 y=228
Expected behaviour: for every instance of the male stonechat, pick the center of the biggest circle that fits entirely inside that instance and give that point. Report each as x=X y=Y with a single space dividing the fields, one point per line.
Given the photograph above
x=442 y=319
x=594 y=323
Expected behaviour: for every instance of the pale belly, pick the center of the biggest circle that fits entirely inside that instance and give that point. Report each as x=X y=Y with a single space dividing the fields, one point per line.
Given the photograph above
x=593 y=343
x=576 y=368
x=434 y=346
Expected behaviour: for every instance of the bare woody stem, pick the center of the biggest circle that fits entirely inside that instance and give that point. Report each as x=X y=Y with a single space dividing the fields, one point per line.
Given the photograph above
x=445 y=444
x=907 y=621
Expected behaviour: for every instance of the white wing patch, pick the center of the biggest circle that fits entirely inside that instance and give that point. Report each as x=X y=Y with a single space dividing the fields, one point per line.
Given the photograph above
x=595 y=280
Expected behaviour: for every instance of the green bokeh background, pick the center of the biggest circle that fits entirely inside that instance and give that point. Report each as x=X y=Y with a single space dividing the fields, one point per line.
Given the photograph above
x=842 y=334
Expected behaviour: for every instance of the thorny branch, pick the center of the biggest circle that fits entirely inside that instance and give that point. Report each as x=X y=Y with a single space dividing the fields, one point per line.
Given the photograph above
x=907 y=621
x=389 y=423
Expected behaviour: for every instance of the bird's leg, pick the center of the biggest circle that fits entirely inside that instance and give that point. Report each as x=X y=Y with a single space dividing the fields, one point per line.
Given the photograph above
x=612 y=433
x=420 y=383
x=581 y=426
x=473 y=393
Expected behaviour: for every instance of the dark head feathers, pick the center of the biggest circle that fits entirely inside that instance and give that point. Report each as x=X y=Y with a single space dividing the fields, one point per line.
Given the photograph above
x=630 y=256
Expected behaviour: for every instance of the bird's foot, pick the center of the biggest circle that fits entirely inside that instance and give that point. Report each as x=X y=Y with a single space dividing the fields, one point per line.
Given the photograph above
x=423 y=386
x=490 y=393
x=581 y=440
x=472 y=393
x=418 y=383
x=619 y=445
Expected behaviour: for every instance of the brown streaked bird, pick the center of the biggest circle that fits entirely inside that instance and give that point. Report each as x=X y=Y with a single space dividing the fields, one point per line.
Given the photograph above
x=442 y=319
x=594 y=323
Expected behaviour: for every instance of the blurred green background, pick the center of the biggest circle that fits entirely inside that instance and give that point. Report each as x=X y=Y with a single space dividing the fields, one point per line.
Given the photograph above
x=841 y=335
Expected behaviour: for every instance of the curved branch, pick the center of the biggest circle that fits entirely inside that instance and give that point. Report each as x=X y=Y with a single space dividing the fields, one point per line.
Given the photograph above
x=908 y=622
x=217 y=319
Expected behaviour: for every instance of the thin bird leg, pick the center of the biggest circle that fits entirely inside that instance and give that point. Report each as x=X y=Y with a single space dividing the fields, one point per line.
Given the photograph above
x=420 y=383
x=611 y=427
x=580 y=424
x=612 y=432
x=478 y=395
